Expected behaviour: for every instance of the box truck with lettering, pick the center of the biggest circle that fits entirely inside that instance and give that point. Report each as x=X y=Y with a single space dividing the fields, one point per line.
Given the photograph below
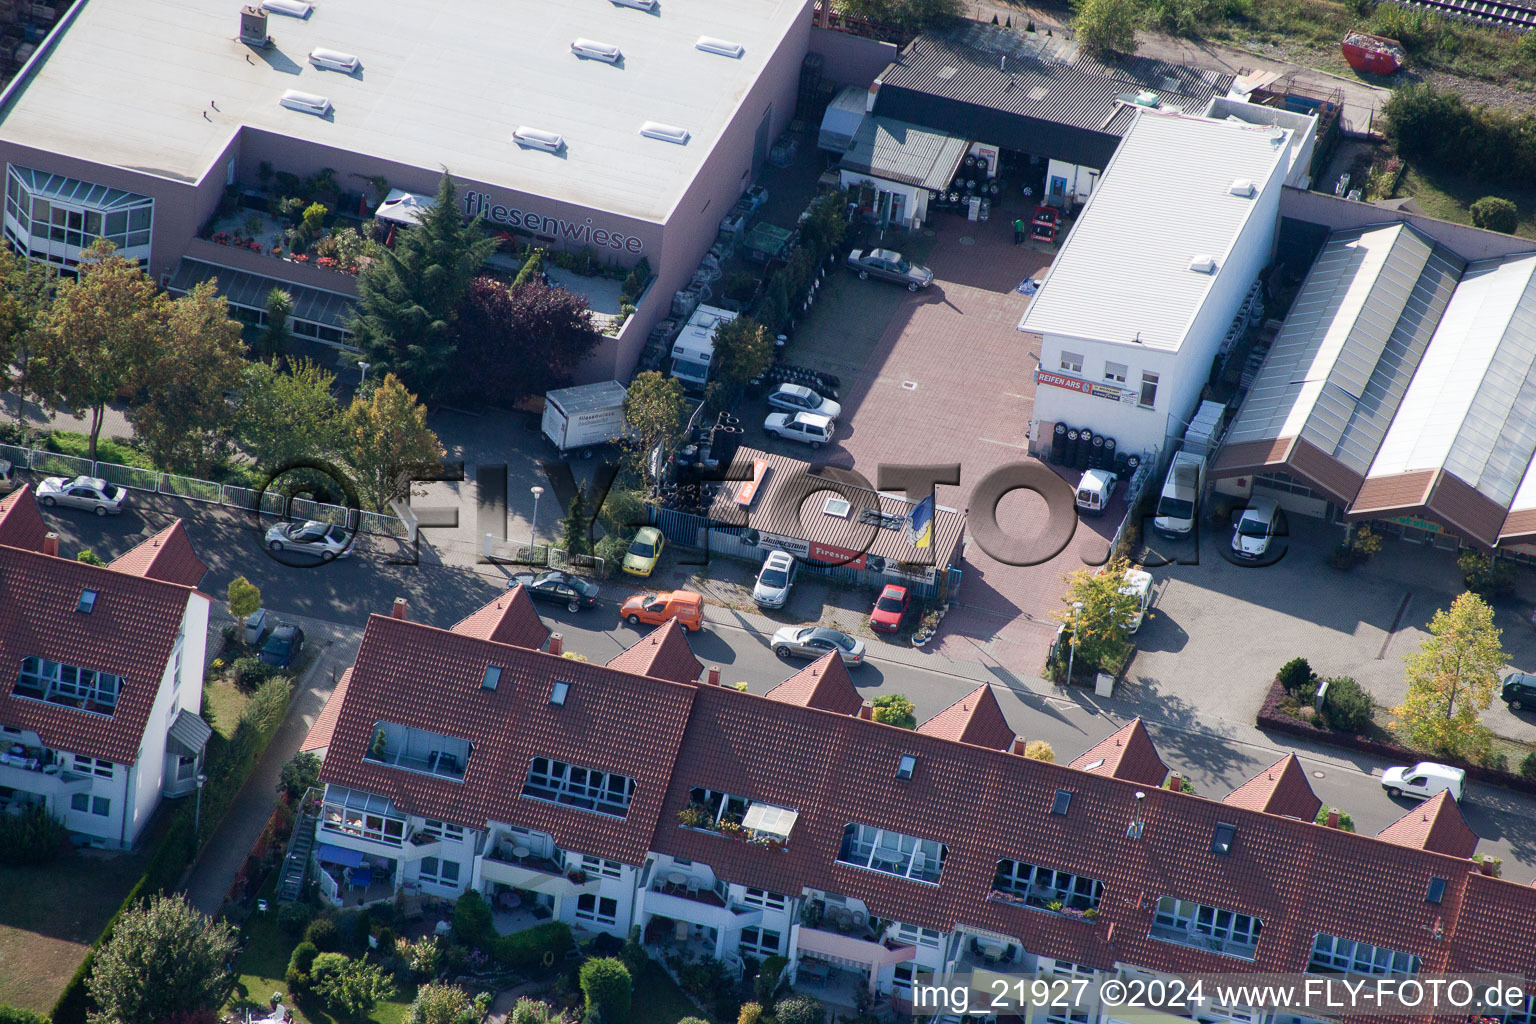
x=587 y=415
x=693 y=353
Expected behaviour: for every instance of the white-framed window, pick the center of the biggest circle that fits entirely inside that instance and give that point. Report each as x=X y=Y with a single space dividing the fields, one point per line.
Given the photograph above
x=601 y=866
x=436 y=871
x=1206 y=927
x=443 y=830
x=93 y=766
x=80 y=802
x=1148 y=389
x=915 y=936
x=575 y=786
x=1331 y=955
x=186 y=768
x=906 y=975
x=761 y=942
x=764 y=898
x=101 y=806
x=1040 y=886
x=355 y=813
x=1115 y=372
x=1068 y=1017
x=176 y=659
x=58 y=683
x=892 y=853
x=592 y=907
x=1072 y=362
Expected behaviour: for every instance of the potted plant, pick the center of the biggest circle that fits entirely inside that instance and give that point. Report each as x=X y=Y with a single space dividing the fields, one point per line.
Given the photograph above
x=577 y=876
x=928 y=628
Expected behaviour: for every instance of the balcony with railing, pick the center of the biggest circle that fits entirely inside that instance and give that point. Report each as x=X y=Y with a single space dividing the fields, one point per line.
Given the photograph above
x=892 y=853
x=1021 y=884
x=69 y=686
x=416 y=750
x=38 y=772
x=697 y=898
x=736 y=817
x=1186 y=923
x=845 y=932
x=533 y=864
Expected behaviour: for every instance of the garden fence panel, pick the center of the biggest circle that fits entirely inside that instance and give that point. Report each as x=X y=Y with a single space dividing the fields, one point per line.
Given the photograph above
x=60 y=465
x=190 y=488
x=19 y=458
x=129 y=476
x=383 y=526
x=239 y=497
x=303 y=508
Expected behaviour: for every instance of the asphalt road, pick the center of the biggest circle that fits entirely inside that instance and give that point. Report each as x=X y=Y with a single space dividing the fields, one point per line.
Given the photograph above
x=1214 y=759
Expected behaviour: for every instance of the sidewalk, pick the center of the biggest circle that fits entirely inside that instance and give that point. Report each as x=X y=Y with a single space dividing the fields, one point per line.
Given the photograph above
x=213 y=874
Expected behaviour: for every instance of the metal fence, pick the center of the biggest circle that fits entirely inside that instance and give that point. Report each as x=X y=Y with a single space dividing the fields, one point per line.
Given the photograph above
x=1147 y=471
x=206 y=491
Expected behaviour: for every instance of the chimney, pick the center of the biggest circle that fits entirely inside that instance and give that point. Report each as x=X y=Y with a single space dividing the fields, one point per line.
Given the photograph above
x=1333 y=817
x=867 y=710
x=869 y=101
x=1175 y=781
x=714 y=675
x=556 y=643
x=401 y=610
x=253 y=26
x=1486 y=866
x=51 y=544
x=1019 y=743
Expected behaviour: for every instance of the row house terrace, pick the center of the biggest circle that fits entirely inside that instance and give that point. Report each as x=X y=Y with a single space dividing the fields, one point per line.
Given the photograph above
x=101 y=673
x=731 y=825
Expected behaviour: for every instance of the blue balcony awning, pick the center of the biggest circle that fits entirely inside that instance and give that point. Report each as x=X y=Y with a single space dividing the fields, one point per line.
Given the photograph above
x=328 y=854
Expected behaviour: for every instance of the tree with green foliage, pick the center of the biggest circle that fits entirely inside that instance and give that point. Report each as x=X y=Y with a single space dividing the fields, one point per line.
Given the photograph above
x=1106 y=26
x=276 y=333
x=349 y=986
x=1347 y=706
x=576 y=527
x=26 y=291
x=385 y=440
x=34 y=836
x=100 y=336
x=472 y=920
x=908 y=15
x=607 y=986
x=286 y=413
x=89 y=557
x=1182 y=17
x=896 y=709
x=299 y=774
x=800 y=1009
x=745 y=350
x=825 y=225
x=1099 y=609
x=1495 y=213
x=1346 y=822
x=1452 y=678
x=531 y=269
x=653 y=410
x=406 y=300
x=244 y=597
x=164 y=958
x=1040 y=750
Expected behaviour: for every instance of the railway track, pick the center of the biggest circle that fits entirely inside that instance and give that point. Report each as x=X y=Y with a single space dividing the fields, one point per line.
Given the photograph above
x=1489 y=13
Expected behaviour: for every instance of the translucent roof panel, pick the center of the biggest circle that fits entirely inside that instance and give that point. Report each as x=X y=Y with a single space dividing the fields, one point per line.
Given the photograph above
x=73 y=190
x=249 y=291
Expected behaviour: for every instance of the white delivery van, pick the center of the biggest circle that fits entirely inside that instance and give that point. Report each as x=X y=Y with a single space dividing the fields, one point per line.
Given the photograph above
x=693 y=353
x=1424 y=780
x=586 y=415
x=1178 y=505
x=1094 y=491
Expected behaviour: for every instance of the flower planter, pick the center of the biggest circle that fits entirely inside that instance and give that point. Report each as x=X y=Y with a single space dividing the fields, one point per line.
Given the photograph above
x=924 y=636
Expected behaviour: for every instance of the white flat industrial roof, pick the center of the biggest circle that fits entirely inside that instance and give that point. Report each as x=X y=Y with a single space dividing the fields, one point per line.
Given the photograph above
x=442 y=84
x=1471 y=408
x=1123 y=273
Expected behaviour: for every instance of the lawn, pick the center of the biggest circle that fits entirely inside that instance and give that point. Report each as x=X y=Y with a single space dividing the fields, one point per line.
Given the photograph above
x=50 y=915
x=1449 y=197
x=657 y=999
x=224 y=701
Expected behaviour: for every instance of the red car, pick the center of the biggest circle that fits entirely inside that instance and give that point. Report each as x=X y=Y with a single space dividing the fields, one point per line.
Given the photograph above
x=890 y=609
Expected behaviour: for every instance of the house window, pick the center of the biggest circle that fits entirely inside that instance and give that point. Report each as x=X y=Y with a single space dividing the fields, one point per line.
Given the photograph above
x=575 y=786
x=1115 y=372
x=186 y=768
x=443 y=830
x=1072 y=362
x=764 y=898
x=1041 y=887
x=1195 y=924
x=892 y=853
x=908 y=974
x=439 y=872
x=176 y=658
x=1332 y=955
x=100 y=805
x=761 y=942
x=418 y=750
x=591 y=907
x=93 y=766
x=80 y=802
x=599 y=866
x=57 y=683
x=1148 y=389
x=915 y=936
x=363 y=815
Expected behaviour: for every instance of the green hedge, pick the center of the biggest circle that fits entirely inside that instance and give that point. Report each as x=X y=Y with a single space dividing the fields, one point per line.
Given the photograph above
x=537 y=950
x=16 y=1015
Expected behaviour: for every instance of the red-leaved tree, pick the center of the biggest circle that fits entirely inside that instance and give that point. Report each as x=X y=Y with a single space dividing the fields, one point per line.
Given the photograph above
x=519 y=341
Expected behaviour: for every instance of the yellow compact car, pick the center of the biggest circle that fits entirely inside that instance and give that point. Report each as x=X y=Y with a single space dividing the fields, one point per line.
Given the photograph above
x=645 y=552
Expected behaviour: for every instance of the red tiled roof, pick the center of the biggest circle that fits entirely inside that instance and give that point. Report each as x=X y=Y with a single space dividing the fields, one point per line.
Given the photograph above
x=663 y=653
x=167 y=556
x=422 y=677
x=130 y=631
x=1435 y=825
x=824 y=684
x=509 y=619
x=975 y=718
x=21 y=524
x=319 y=737
x=1127 y=754
x=1282 y=788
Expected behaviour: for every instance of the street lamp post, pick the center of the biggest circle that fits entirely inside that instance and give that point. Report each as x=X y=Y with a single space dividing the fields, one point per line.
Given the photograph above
x=363 y=379
x=1077 y=606
x=533 y=525
x=197 y=817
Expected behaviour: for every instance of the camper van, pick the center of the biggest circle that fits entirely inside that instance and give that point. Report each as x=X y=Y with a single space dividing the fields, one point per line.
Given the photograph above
x=1178 y=505
x=693 y=354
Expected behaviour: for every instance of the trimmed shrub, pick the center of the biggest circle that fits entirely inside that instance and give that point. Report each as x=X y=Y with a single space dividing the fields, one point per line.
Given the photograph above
x=750 y=1013
x=1495 y=213
x=249 y=672
x=34 y=837
x=472 y=921
x=293 y=918
x=606 y=986
x=537 y=950
x=1528 y=766
x=1294 y=674
x=1347 y=707
x=766 y=986
x=297 y=977
x=800 y=1009
x=323 y=934
x=16 y=1015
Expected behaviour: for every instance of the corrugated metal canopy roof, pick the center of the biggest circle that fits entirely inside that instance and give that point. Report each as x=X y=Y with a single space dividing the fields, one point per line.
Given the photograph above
x=905 y=153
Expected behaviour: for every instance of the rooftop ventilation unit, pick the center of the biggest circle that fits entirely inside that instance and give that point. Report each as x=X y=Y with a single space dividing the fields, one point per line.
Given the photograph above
x=559 y=692
x=1221 y=841
x=87 y=602
x=292 y=8
x=639 y=5
x=1062 y=802
x=905 y=766
x=840 y=507
x=492 y=677
x=334 y=60
x=1242 y=187
x=595 y=50
x=306 y=103
x=724 y=47
x=538 y=138
x=253 y=27
x=664 y=132
x=1202 y=264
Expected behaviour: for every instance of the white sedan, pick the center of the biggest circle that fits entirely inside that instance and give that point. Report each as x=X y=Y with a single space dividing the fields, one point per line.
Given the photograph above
x=87 y=492
x=809 y=428
x=799 y=398
x=323 y=540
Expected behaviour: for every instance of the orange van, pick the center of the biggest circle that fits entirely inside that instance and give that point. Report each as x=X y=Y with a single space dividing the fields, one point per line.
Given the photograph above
x=683 y=605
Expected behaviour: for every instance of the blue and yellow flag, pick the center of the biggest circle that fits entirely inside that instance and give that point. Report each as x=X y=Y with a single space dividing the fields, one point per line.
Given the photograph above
x=920 y=523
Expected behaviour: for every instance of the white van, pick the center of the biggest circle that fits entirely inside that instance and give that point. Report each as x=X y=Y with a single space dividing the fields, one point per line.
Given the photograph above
x=1178 y=505
x=1095 y=490
x=693 y=353
x=1423 y=780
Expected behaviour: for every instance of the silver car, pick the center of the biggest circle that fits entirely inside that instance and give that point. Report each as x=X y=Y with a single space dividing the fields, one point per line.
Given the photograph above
x=815 y=641
x=323 y=540
x=774 y=579
x=889 y=266
x=88 y=492
x=799 y=398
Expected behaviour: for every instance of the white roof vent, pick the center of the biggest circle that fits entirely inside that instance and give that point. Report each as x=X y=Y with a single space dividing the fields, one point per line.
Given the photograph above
x=292 y=8
x=538 y=138
x=639 y=5
x=1202 y=264
x=306 y=102
x=664 y=132
x=1242 y=187
x=597 y=51
x=724 y=47
x=334 y=60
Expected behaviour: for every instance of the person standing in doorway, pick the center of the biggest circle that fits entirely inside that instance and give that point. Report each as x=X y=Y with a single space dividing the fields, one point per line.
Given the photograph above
x=1018 y=231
